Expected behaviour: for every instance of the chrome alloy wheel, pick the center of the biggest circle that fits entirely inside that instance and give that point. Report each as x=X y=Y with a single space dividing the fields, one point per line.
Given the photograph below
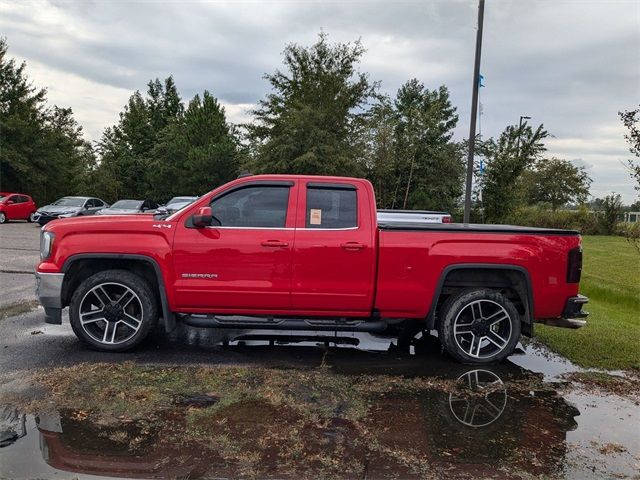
x=111 y=313
x=481 y=399
x=482 y=329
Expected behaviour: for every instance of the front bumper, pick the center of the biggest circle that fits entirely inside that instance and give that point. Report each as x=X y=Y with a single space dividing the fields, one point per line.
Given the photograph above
x=43 y=218
x=49 y=293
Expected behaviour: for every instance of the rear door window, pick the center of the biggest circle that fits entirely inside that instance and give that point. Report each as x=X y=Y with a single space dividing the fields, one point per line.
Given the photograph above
x=332 y=207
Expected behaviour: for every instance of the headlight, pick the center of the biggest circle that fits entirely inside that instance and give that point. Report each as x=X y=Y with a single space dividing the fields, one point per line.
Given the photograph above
x=46 y=243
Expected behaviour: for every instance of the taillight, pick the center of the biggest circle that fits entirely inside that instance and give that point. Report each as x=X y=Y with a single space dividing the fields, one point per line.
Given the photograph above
x=446 y=219
x=574 y=266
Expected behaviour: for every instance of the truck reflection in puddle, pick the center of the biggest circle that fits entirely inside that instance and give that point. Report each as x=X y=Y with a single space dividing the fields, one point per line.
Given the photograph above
x=492 y=421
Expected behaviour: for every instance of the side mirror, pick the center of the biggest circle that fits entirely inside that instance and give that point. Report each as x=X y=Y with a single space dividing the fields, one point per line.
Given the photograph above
x=203 y=217
x=10 y=202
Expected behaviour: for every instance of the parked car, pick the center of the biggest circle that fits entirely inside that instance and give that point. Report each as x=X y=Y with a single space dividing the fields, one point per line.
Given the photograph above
x=175 y=204
x=130 y=207
x=16 y=206
x=299 y=252
x=67 y=207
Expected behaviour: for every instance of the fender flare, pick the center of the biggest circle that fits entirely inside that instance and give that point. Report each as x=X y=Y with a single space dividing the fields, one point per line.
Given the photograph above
x=528 y=319
x=168 y=317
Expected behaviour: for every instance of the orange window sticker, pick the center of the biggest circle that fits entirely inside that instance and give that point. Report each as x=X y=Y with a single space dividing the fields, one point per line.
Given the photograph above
x=315 y=216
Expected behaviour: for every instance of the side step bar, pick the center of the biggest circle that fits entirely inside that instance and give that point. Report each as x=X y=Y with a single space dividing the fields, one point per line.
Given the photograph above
x=236 y=321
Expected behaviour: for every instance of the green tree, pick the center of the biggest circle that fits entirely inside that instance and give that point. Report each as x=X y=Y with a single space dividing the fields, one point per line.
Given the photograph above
x=380 y=157
x=429 y=167
x=611 y=210
x=195 y=153
x=631 y=120
x=42 y=150
x=312 y=120
x=126 y=148
x=557 y=182
x=507 y=158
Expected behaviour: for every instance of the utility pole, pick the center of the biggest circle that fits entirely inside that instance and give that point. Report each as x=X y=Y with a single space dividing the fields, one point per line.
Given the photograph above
x=474 y=113
x=520 y=132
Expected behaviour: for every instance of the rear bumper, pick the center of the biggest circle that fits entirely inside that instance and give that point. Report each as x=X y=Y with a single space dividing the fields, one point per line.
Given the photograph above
x=572 y=315
x=49 y=293
x=573 y=307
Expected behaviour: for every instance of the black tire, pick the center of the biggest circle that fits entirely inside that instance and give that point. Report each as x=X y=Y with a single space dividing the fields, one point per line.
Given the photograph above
x=3 y=217
x=142 y=308
x=30 y=218
x=496 y=341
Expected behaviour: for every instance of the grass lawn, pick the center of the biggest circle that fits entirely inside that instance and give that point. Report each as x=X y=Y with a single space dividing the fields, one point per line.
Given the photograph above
x=611 y=280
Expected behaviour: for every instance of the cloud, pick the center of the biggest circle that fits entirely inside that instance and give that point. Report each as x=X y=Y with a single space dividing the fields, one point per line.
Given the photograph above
x=570 y=65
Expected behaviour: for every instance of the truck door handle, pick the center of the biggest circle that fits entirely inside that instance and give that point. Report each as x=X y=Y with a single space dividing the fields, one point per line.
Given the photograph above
x=274 y=243
x=352 y=245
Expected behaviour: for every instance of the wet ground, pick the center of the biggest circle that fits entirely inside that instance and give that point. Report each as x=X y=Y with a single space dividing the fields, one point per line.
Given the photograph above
x=19 y=254
x=520 y=419
x=263 y=406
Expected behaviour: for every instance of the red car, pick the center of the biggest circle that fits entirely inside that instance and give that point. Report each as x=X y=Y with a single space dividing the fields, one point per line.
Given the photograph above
x=16 y=206
x=307 y=253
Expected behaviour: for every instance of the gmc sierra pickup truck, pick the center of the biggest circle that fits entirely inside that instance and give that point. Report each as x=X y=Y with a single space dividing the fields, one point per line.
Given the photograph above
x=307 y=253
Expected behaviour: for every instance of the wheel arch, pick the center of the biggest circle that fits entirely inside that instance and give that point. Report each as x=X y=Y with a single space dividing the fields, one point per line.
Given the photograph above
x=514 y=278
x=81 y=266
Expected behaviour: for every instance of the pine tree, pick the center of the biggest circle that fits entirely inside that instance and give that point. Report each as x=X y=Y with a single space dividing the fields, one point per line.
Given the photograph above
x=515 y=151
x=42 y=150
x=310 y=122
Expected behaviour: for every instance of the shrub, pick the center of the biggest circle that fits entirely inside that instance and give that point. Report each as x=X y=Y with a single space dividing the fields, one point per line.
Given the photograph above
x=586 y=222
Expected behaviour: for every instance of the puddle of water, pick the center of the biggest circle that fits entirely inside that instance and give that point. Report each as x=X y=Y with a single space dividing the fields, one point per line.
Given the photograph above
x=539 y=359
x=499 y=421
x=481 y=426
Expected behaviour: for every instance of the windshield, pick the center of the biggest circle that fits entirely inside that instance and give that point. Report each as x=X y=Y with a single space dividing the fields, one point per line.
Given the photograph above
x=69 y=202
x=181 y=200
x=127 y=204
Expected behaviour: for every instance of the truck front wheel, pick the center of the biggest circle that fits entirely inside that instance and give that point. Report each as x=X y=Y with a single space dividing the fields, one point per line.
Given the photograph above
x=113 y=310
x=479 y=326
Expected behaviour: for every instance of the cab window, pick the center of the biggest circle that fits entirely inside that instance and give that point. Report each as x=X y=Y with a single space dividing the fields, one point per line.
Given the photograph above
x=331 y=207
x=262 y=206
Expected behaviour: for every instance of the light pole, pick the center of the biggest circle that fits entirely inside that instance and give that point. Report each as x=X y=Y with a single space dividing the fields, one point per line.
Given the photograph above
x=474 y=113
x=520 y=132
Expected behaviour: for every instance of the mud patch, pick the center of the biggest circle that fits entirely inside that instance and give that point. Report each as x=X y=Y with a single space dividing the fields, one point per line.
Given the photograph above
x=17 y=309
x=627 y=385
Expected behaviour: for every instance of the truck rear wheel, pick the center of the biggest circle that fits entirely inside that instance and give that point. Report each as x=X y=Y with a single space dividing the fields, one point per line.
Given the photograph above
x=479 y=326
x=113 y=310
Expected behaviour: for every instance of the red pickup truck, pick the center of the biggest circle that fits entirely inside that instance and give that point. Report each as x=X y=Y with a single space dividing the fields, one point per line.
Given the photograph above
x=307 y=253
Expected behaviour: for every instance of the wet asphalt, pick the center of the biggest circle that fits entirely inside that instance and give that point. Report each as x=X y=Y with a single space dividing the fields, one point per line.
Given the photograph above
x=19 y=255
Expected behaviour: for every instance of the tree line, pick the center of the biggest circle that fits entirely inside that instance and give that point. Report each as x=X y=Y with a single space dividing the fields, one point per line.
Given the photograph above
x=322 y=116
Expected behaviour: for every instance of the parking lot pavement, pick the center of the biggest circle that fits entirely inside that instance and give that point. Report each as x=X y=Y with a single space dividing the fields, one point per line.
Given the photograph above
x=19 y=255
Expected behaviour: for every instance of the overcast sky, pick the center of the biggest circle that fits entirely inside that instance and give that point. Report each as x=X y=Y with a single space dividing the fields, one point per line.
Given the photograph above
x=571 y=65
